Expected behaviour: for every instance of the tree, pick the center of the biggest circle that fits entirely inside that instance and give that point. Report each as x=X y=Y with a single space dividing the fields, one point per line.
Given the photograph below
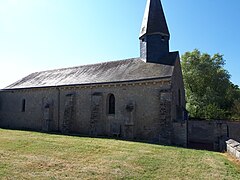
x=209 y=92
x=235 y=96
x=236 y=110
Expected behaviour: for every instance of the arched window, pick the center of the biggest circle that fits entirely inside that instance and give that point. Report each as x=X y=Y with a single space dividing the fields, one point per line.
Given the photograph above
x=23 y=105
x=111 y=104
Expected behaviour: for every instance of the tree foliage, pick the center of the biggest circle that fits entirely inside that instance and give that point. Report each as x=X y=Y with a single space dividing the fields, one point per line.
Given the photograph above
x=209 y=91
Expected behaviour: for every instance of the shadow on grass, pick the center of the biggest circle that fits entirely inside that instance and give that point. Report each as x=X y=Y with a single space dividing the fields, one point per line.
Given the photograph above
x=191 y=145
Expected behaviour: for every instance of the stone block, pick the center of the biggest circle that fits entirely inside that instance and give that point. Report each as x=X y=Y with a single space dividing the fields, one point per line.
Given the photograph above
x=233 y=148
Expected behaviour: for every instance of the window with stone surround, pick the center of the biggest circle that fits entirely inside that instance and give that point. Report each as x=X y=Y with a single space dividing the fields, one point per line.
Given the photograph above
x=179 y=107
x=111 y=104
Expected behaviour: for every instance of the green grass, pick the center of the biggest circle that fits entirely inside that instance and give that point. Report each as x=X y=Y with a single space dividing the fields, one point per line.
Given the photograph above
x=30 y=155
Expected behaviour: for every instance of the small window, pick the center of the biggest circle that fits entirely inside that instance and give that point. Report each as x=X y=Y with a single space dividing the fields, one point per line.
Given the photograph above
x=179 y=98
x=163 y=38
x=111 y=104
x=23 y=105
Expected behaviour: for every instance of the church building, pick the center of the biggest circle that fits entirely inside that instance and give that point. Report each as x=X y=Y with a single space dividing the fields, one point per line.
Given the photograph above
x=141 y=98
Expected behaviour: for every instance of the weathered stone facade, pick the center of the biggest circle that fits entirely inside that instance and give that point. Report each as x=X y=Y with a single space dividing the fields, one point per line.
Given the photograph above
x=136 y=99
x=143 y=110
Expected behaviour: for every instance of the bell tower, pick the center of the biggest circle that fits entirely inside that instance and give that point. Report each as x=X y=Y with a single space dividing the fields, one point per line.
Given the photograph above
x=154 y=35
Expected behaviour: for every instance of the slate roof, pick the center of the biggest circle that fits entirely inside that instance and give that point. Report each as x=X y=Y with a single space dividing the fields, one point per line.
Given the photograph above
x=107 y=72
x=154 y=20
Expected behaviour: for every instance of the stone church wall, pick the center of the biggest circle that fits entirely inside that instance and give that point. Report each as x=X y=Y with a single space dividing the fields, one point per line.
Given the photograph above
x=24 y=109
x=178 y=107
x=136 y=116
x=84 y=110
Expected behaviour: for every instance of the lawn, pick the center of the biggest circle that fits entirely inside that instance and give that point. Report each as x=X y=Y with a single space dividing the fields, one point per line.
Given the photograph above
x=31 y=155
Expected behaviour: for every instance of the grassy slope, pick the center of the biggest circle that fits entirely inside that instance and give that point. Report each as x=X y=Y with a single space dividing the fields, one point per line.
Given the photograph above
x=29 y=155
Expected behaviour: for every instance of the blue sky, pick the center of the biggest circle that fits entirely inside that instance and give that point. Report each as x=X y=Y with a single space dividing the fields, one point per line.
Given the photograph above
x=38 y=35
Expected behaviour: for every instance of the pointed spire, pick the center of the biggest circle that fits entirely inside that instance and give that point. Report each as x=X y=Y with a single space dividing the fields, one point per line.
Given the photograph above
x=154 y=21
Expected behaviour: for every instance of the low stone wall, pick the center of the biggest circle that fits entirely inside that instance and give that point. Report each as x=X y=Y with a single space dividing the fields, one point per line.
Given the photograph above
x=233 y=130
x=209 y=135
x=212 y=134
x=233 y=148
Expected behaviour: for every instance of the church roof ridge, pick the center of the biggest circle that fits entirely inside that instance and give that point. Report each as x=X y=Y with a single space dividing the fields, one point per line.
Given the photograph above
x=90 y=64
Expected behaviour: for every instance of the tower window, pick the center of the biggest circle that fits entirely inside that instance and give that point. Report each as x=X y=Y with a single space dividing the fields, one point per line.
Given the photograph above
x=111 y=104
x=163 y=38
x=23 y=105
